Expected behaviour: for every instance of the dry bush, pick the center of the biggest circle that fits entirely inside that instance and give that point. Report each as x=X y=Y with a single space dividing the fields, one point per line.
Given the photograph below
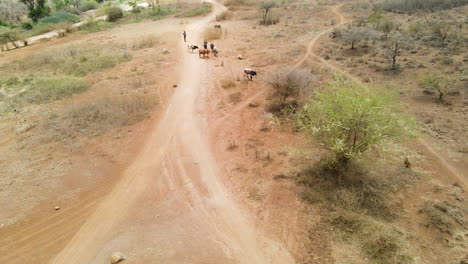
x=443 y=216
x=98 y=117
x=146 y=42
x=409 y=6
x=228 y=84
x=288 y=82
x=212 y=33
x=235 y=98
x=226 y=15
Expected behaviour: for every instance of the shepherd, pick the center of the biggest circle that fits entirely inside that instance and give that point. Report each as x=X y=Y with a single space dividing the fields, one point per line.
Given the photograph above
x=212 y=46
x=185 y=36
x=205 y=44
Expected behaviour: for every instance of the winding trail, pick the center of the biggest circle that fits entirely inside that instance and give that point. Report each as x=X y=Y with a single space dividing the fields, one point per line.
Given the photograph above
x=177 y=173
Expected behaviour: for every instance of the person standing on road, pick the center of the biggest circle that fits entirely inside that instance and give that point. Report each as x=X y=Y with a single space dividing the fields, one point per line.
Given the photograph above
x=205 y=44
x=212 y=46
x=185 y=36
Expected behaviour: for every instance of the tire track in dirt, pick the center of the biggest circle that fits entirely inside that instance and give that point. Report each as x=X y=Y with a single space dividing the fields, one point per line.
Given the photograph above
x=178 y=161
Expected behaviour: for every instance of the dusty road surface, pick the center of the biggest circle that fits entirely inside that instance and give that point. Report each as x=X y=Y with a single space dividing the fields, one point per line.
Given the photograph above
x=170 y=206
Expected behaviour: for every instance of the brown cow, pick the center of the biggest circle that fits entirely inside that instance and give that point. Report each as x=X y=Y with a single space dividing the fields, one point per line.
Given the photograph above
x=203 y=52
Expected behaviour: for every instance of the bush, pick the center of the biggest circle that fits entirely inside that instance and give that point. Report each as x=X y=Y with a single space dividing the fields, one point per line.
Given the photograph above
x=348 y=118
x=354 y=35
x=226 y=15
x=432 y=82
x=114 y=13
x=26 y=25
x=59 y=17
x=196 y=11
x=287 y=82
x=145 y=42
x=212 y=33
x=409 y=6
x=86 y=5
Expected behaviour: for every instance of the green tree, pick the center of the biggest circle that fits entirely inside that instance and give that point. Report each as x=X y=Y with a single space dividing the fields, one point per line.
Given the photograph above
x=348 y=118
x=37 y=9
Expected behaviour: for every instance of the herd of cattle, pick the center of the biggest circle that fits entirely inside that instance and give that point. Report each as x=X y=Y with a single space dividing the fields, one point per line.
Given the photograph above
x=205 y=52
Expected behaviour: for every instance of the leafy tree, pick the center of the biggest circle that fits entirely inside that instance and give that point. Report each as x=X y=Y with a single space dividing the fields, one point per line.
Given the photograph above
x=61 y=4
x=37 y=9
x=395 y=44
x=265 y=8
x=287 y=82
x=353 y=35
x=431 y=81
x=349 y=118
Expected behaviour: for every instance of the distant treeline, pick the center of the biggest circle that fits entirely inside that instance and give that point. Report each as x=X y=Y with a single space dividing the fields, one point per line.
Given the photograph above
x=407 y=6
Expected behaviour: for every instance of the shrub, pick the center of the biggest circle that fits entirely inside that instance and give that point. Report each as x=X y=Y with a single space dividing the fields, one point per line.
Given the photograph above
x=287 y=82
x=86 y=5
x=59 y=17
x=348 y=118
x=196 y=11
x=114 y=13
x=226 y=15
x=409 y=6
x=145 y=42
x=265 y=8
x=212 y=33
x=26 y=25
x=10 y=36
x=434 y=82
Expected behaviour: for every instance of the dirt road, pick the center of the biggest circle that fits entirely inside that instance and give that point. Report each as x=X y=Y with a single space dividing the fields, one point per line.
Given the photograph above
x=195 y=220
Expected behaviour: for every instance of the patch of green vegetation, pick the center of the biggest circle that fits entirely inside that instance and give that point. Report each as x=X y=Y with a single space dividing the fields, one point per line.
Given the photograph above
x=73 y=60
x=60 y=16
x=95 y=26
x=40 y=90
x=196 y=11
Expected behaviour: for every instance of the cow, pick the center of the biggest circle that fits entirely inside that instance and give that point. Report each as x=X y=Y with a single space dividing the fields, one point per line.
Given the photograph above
x=249 y=73
x=203 y=52
x=191 y=48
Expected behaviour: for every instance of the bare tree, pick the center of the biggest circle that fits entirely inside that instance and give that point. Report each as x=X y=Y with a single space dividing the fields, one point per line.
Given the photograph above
x=395 y=44
x=265 y=8
x=354 y=34
x=287 y=82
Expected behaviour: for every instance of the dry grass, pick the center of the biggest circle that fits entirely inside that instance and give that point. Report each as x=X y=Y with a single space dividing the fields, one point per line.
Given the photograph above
x=146 y=42
x=235 y=98
x=98 y=117
x=72 y=60
x=212 y=33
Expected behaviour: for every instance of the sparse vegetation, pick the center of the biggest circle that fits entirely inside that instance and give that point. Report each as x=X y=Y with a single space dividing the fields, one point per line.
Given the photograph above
x=12 y=10
x=73 y=60
x=228 y=84
x=196 y=11
x=348 y=118
x=98 y=117
x=394 y=45
x=59 y=17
